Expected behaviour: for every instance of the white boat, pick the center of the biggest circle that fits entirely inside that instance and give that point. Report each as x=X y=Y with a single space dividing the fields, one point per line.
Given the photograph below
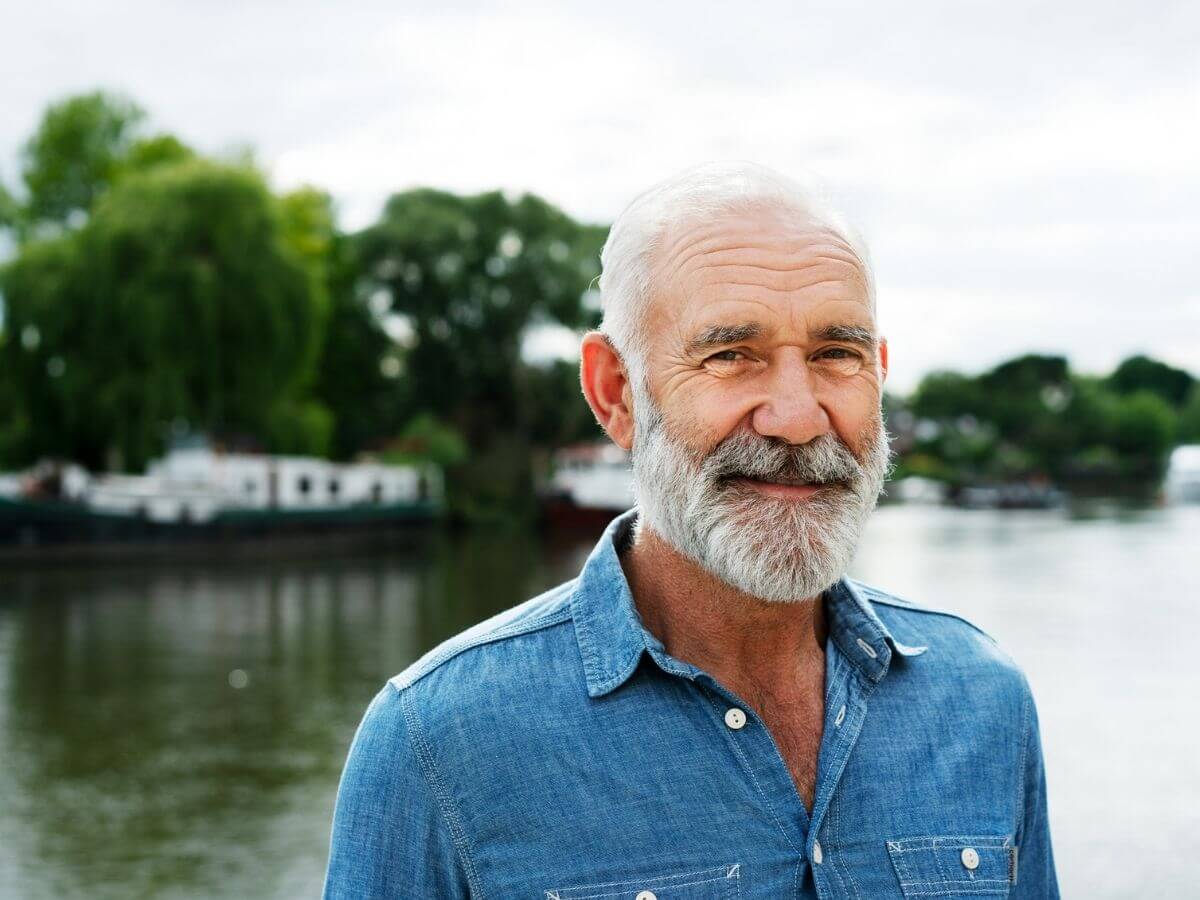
x=1182 y=484
x=590 y=484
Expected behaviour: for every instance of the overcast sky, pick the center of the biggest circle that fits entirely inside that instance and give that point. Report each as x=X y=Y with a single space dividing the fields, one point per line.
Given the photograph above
x=1027 y=175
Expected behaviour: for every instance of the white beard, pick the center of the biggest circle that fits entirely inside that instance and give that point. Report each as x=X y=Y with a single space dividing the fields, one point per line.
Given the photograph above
x=779 y=549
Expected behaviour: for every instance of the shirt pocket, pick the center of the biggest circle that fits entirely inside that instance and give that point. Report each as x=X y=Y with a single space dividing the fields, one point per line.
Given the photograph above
x=954 y=866
x=717 y=883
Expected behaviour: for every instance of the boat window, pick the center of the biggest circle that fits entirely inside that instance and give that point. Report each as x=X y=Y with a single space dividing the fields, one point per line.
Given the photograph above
x=304 y=485
x=334 y=487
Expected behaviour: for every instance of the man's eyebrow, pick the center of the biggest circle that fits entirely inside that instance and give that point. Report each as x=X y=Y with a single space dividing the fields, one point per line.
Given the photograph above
x=715 y=336
x=847 y=334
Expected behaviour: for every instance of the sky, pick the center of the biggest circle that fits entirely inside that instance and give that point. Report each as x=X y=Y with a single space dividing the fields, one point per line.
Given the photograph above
x=1027 y=175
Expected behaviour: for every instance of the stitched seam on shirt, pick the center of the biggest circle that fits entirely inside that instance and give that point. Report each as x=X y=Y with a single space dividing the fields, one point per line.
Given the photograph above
x=835 y=858
x=909 y=845
x=874 y=596
x=1027 y=716
x=516 y=629
x=721 y=871
x=746 y=765
x=662 y=887
x=588 y=650
x=900 y=863
x=661 y=882
x=839 y=859
x=867 y=687
x=445 y=803
x=834 y=690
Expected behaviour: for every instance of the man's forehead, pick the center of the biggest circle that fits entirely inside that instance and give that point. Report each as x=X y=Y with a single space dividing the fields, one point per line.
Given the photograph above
x=742 y=235
x=717 y=269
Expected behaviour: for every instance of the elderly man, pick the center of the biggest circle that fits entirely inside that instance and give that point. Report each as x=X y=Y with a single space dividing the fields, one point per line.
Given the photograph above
x=712 y=709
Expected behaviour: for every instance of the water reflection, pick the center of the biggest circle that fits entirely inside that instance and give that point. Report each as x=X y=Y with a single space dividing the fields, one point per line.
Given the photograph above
x=135 y=767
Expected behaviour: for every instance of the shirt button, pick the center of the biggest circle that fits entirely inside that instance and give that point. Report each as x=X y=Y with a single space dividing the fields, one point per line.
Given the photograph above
x=817 y=855
x=735 y=718
x=970 y=858
x=837 y=723
x=646 y=895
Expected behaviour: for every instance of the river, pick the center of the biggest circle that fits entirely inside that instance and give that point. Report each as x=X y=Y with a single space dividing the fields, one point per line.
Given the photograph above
x=178 y=731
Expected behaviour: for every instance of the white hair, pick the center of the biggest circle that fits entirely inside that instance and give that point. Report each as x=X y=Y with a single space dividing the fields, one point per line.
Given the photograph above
x=705 y=190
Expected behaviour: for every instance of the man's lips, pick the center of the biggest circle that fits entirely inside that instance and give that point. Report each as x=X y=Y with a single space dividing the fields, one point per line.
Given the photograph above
x=778 y=489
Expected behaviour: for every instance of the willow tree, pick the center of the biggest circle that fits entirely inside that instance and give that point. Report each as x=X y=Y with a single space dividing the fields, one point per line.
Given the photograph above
x=180 y=299
x=76 y=153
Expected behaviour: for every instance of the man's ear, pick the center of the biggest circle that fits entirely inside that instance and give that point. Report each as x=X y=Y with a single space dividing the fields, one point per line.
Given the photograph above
x=883 y=362
x=606 y=387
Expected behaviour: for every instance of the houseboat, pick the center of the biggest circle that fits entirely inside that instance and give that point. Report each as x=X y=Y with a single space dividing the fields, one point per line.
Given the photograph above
x=197 y=491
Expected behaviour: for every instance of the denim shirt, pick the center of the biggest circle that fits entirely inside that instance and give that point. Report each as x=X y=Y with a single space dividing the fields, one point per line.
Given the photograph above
x=558 y=752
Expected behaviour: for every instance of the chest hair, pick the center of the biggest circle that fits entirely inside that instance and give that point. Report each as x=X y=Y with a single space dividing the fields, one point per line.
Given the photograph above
x=795 y=719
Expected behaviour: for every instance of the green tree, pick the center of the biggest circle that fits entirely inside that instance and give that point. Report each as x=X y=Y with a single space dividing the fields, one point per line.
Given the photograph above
x=149 y=153
x=15 y=423
x=557 y=413
x=1141 y=373
x=358 y=368
x=470 y=275
x=76 y=153
x=1189 y=418
x=947 y=395
x=179 y=299
x=10 y=210
x=360 y=372
x=1143 y=432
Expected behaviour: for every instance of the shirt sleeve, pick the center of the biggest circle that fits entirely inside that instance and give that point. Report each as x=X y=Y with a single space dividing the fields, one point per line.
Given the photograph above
x=390 y=837
x=1036 y=878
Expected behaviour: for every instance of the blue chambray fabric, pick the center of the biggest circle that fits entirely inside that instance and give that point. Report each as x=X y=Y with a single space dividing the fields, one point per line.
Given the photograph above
x=557 y=752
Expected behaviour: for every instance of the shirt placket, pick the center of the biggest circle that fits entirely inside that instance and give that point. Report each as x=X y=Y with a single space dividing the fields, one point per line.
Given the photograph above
x=846 y=696
x=757 y=753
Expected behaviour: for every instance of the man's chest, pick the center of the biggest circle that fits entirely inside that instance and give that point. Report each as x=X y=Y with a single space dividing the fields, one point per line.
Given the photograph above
x=797 y=734
x=669 y=793
x=794 y=718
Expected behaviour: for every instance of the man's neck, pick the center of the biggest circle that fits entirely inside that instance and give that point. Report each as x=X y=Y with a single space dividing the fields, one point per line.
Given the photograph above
x=736 y=638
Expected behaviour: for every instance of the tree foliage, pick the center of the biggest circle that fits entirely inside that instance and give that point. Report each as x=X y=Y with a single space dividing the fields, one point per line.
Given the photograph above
x=1031 y=416
x=469 y=276
x=1189 y=418
x=1141 y=373
x=76 y=153
x=179 y=299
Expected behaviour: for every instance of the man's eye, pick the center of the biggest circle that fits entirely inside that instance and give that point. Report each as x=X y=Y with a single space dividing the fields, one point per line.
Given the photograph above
x=841 y=353
x=727 y=356
x=841 y=361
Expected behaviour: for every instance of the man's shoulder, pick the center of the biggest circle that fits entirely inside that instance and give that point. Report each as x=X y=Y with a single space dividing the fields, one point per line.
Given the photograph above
x=493 y=636
x=953 y=637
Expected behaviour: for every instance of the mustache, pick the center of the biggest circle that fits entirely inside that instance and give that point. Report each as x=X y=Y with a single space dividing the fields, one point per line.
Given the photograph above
x=823 y=460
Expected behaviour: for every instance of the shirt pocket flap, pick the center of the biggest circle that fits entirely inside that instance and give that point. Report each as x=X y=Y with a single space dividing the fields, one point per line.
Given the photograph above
x=954 y=866
x=718 y=883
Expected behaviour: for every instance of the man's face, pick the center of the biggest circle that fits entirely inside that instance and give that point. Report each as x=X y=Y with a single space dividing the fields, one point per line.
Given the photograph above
x=760 y=450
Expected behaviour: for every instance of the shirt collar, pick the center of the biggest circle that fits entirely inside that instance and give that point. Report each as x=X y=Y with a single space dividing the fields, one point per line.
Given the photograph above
x=612 y=636
x=608 y=628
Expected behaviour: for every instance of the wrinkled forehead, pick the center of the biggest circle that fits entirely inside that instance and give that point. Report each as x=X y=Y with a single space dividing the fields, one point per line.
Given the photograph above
x=767 y=250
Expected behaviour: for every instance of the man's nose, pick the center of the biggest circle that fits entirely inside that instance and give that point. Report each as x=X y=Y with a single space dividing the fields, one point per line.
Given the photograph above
x=791 y=410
